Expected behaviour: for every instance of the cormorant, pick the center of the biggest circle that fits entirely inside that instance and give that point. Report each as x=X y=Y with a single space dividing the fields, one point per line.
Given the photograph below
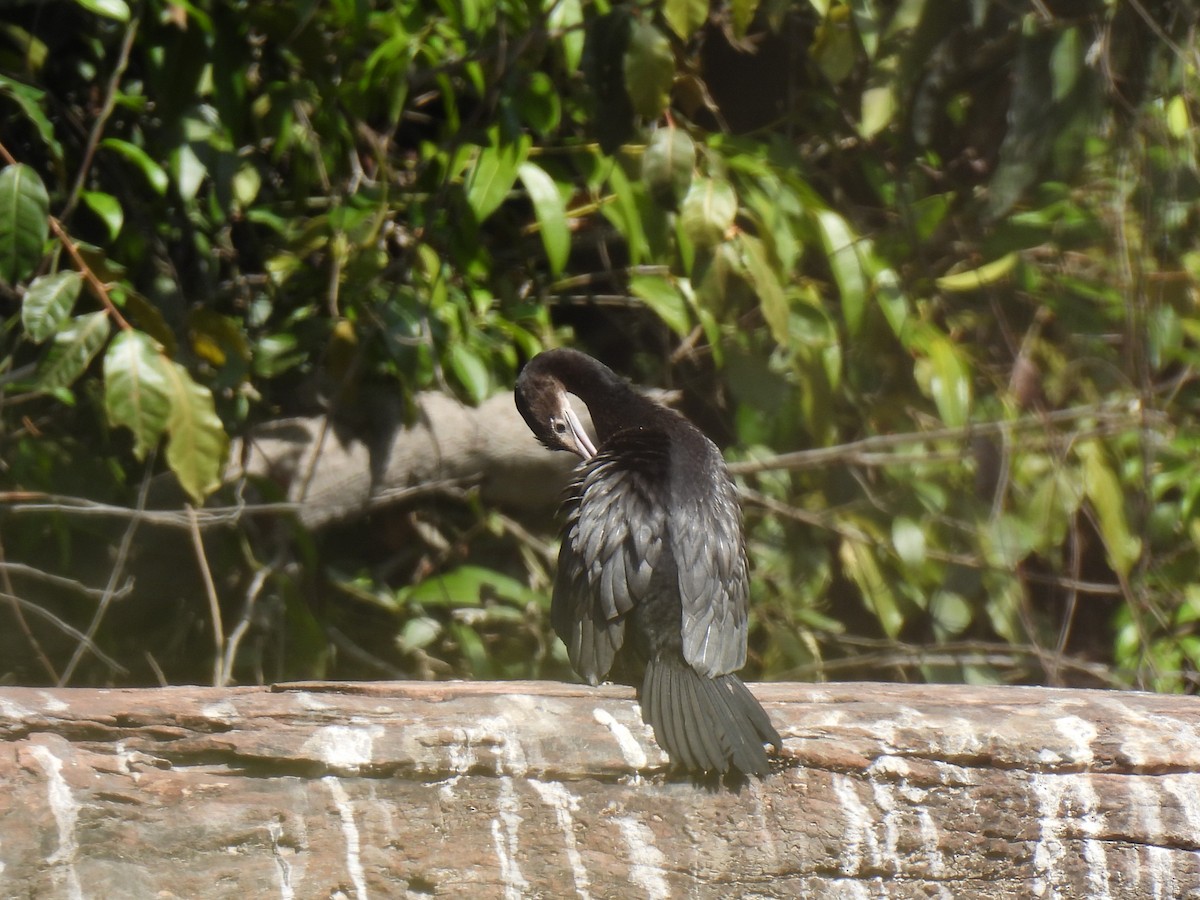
x=652 y=561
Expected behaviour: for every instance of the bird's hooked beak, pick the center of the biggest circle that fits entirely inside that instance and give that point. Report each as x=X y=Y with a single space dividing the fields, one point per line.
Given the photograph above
x=583 y=443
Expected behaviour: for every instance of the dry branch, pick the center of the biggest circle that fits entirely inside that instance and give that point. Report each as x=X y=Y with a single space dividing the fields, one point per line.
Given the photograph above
x=536 y=789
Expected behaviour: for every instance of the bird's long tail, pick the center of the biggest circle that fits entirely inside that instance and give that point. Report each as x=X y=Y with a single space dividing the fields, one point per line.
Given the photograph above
x=706 y=724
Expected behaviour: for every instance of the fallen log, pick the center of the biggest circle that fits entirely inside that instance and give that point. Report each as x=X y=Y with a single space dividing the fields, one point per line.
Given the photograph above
x=550 y=790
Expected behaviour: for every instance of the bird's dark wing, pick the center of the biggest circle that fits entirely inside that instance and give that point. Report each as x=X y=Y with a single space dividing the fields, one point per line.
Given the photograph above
x=612 y=541
x=705 y=525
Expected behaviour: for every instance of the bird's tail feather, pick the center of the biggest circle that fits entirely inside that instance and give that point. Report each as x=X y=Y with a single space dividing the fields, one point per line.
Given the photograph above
x=706 y=724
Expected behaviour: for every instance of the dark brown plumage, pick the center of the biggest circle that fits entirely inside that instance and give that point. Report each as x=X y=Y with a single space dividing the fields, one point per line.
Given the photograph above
x=652 y=564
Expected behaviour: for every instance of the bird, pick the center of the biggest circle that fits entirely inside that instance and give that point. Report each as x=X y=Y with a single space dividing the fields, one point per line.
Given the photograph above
x=652 y=570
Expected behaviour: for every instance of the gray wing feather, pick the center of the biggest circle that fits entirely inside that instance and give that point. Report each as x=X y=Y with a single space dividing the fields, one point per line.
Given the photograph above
x=612 y=540
x=706 y=539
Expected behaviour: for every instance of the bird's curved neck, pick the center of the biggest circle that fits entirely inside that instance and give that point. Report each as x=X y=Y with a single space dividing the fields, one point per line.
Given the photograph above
x=613 y=402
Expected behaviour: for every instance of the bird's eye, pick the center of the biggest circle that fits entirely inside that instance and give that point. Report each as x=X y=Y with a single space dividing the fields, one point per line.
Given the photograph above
x=560 y=427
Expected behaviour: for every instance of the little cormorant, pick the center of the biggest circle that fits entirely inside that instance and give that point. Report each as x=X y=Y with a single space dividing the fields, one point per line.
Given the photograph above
x=652 y=560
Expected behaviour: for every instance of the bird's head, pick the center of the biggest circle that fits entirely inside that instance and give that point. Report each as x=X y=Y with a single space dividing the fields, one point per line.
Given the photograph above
x=545 y=406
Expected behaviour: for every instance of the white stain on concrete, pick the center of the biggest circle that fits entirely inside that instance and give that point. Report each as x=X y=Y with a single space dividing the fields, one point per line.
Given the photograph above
x=65 y=808
x=310 y=702
x=564 y=803
x=1048 y=854
x=1081 y=734
x=930 y=841
x=506 y=839
x=646 y=862
x=1160 y=860
x=344 y=748
x=221 y=711
x=1091 y=824
x=345 y=810
x=631 y=750
x=14 y=711
x=51 y=703
x=859 y=834
x=282 y=866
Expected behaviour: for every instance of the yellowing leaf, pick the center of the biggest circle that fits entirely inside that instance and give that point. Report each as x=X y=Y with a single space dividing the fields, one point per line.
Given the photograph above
x=1104 y=492
x=136 y=388
x=974 y=279
x=197 y=441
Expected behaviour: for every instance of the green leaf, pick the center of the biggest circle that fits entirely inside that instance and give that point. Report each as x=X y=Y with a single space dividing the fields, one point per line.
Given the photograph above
x=771 y=298
x=842 y=254
x=493 y=175
x=551 y=214
x=877 y=594
x=685 y=16
x=649 y=70
x=909 y=540
x=109 y=9
x=32 y=102
x=72 y=351
x=742 y=13
x=137 y=388
x=975 y=279
x=566 y=18
x=470 y=586
x=1104 y=492
x=668 y=165
x=878 y=108
x=49 y=302
x=470 y=371
x=662 y=296
x=151 y=171
x=950 y=382
x=107 y=208
x=708 y=211
x=24 y=222
x=196 y=441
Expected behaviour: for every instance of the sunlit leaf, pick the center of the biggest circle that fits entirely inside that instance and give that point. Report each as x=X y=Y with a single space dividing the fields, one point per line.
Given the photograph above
x=973 y=279
x=566 y=18
x=48 y=303
x=551 y=214
x=107 y=208
x=863 y=569
x=662 y=296
x=151 y=171
x=493 y=175
x=668 y=165
x=950 y=382
x=136 y=388
x=196 y=442
x=24 y=222
x=708 y=211
x=842 y=254
x=109 y=9
x=649 y=69
x=685 y=16
x=1104 y=492
x=470 y=371
x=772 y=301
x=909 y=540
x=72 y=350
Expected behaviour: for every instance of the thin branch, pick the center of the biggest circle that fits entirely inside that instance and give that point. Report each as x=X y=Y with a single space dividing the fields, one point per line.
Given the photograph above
x=110 y=103
x=1116 y=412
x=110 y=590
x=69 y=630
x=214 y=605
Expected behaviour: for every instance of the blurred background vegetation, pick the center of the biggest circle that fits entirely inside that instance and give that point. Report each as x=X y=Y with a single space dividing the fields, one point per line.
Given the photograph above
x=926 y=269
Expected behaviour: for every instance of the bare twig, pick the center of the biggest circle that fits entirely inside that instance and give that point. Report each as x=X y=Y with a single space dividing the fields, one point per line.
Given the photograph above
x=5 y=568
x=101 y=120
x=214 y=605
x=67 y=629
x=1116 y=413
x=110 y=590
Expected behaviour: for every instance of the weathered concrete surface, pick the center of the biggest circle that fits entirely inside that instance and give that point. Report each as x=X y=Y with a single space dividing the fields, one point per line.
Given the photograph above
x=549 y=790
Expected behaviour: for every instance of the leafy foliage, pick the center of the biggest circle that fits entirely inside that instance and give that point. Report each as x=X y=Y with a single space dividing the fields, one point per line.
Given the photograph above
x=949 y=250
